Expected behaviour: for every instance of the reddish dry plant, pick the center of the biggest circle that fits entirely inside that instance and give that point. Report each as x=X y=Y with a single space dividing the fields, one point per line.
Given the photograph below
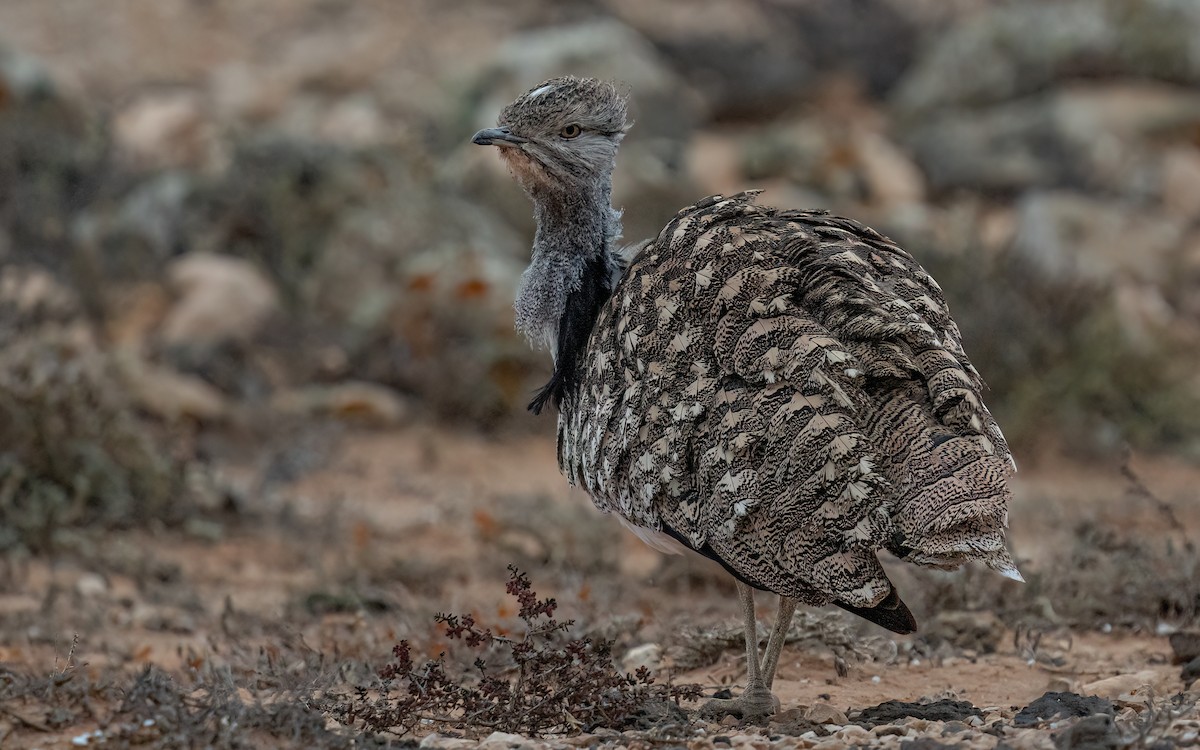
x=550 y=687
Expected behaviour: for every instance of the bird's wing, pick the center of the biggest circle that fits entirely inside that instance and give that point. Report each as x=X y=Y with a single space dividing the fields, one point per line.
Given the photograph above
x=943 y=451
x=717 y=405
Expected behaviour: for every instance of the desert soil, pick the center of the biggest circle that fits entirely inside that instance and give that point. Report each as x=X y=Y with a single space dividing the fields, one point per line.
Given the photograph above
x=391 y=527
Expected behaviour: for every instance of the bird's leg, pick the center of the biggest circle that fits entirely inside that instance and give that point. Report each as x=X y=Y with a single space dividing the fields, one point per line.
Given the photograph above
x=787 y=608
x=755 y=704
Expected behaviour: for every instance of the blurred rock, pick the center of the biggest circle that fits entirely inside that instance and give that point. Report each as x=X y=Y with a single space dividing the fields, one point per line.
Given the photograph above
x=91 y=585
x=761 y=58
x=505 y=741
x=171 y=395
x=1113 y=687
x=1185 y=646
x=166 y=129
x=823 y=713
x=22 y=77
x=150 y=224
x=1070 y=237
x=728 y=51
x=52 y=161
x=355 y=122
x=31 y=293
x=890 y=175
x=648 y=655
x=220 y=299
x=1059 y=706
x=1090 y=733
x=1094 y=136
x=978 y=631
x=1190 y=673
x=362 y=403
x=1181 y=182
x=1019 y=48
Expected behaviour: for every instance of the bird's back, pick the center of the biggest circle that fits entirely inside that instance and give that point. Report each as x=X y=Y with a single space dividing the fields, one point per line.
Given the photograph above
x=786 y=392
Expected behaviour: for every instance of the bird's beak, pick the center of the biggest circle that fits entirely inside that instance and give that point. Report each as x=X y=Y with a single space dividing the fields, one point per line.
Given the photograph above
x=497 y=137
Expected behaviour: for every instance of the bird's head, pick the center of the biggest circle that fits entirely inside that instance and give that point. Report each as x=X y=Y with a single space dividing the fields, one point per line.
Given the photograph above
x=561 y=135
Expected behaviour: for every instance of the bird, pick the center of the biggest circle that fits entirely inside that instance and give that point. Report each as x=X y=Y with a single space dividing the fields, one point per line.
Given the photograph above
x=781 y=391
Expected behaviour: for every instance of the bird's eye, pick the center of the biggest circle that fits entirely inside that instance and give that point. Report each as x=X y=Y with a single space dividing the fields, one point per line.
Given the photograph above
x=571 y=131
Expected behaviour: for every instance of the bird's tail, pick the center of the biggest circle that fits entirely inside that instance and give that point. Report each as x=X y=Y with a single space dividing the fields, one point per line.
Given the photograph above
x=891 y=613
x=951 y=502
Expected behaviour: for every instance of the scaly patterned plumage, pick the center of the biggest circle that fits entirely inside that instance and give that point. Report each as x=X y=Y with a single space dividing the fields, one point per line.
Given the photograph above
x=789 y=389
x=781 y=391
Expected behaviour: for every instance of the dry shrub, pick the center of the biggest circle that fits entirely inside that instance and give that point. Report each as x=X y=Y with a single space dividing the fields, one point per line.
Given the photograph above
x=544 y=684
x=74 y=452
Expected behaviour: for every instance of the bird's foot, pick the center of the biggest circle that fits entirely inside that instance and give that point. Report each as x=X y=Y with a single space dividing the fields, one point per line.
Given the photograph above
x=754 y=706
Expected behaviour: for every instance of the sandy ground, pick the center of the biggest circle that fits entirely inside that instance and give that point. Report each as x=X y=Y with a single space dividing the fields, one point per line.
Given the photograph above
x=396 y=526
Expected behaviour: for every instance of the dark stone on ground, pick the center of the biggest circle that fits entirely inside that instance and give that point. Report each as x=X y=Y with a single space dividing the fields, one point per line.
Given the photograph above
x=1061 y=706
x=797 y=727
x=928 y=743
x=723 y=694
x=1095 y=732
x=1185 y=645
x=891 y=711
x=658 y=714
x=1190 y=672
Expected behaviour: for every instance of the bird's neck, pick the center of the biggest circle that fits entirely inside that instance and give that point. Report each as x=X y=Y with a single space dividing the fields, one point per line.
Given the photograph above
x=574 y=269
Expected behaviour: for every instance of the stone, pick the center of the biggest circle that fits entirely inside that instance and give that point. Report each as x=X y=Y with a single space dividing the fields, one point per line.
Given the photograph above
x=1113 y=687
x=165 y=129
x=1093 y=136
x=354 y=122
x=890 y=175
x=648 y=655
x=154 y=216
x=978 y=631
x=1096 y=732
x=1068 y=237
x=1181 y=182
x=1190 y=673
x=369 y=404
x=437 y=741
x=91 y=585
x=220 y=299
x=759 y=59
x=34 y=293
x=172 y=395
x=1014 y=49
x=891 y=711
x=823 y=713
x=1055 y=706
x=1185 y=646
x=503 y=740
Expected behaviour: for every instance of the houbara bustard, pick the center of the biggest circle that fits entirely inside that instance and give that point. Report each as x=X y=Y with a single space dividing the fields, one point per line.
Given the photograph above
x=783 y=392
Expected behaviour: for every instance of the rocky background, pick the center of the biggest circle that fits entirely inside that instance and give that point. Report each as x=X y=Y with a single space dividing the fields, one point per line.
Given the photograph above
x=227 y=226
x=274 y=205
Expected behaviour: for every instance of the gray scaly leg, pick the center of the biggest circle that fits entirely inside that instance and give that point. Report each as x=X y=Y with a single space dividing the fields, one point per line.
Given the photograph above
x=755 y=704
x=787 y=609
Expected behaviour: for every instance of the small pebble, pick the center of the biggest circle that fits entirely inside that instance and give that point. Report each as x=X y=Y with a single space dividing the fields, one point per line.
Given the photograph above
x=90 y=585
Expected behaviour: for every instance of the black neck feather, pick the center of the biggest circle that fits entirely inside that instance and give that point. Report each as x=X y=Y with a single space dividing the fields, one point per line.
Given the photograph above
x=574 y=328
